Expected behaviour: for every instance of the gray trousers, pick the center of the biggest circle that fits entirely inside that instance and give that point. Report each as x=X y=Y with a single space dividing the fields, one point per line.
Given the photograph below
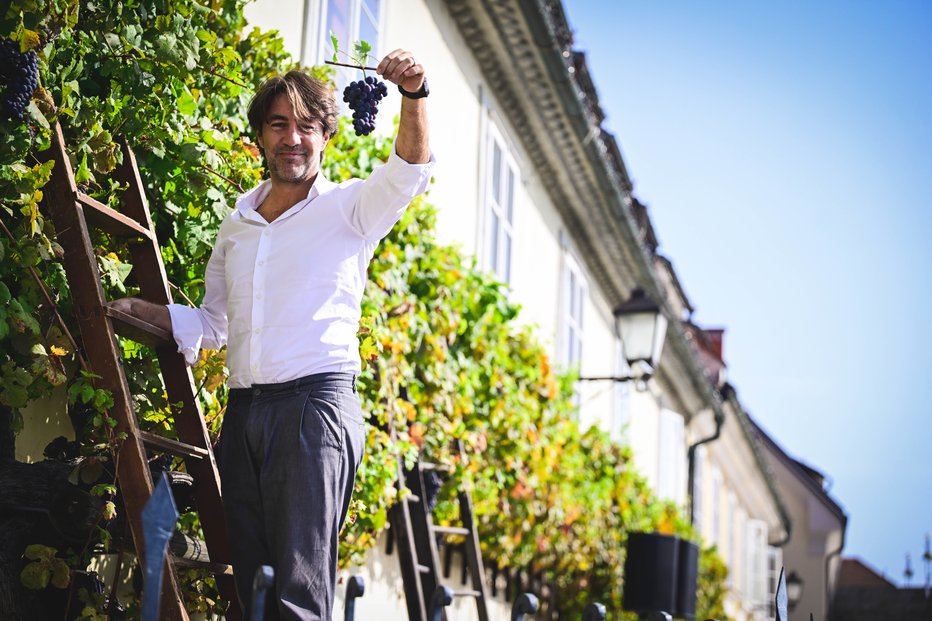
x=288 y=455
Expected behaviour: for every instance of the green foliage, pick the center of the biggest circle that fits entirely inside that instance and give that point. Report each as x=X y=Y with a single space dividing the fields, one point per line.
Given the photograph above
x=45 y=568
x=445 y=359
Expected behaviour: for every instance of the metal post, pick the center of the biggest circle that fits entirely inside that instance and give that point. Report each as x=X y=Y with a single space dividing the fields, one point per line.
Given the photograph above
x=442 y=597
x=158 y=523
x=594 y=612
x=356 y=587
x=526 y=604
x=261 y=583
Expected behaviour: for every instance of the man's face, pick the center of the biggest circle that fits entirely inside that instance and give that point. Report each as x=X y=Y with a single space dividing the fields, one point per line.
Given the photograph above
x=292 y=146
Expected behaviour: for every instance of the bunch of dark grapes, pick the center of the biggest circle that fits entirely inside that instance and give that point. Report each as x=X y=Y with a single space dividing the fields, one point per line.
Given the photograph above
x=19 y=73
x=363 y=98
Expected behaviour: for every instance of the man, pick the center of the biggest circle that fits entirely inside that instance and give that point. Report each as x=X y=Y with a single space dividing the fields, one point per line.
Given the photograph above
x=283 y=291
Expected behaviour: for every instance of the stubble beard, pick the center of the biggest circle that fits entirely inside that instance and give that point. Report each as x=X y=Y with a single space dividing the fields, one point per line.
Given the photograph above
x=289 y=171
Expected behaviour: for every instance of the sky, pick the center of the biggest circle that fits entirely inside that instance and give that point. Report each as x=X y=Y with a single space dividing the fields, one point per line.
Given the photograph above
x=785 y=153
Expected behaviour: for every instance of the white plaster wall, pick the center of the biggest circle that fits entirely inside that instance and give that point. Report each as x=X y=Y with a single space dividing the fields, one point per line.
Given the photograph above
x=644 y=431
x=597 y=398
x=285 y=16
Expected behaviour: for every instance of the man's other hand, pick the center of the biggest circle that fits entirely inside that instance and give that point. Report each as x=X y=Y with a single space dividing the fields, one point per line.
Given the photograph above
x=156 y=314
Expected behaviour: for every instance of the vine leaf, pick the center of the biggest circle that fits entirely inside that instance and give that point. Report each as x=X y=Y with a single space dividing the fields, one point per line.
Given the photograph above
x=336 y=46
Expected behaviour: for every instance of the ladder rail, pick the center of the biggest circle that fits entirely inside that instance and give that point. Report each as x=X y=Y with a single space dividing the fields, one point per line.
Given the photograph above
x=102 y=354
x=98 y=322
x=414 y=522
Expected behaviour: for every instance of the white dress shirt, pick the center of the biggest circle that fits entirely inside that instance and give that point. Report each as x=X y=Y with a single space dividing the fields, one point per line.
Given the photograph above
x=285 y=296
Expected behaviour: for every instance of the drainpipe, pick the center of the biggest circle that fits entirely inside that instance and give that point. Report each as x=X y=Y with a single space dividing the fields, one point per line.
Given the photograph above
x=828 y=564
x=691 y=458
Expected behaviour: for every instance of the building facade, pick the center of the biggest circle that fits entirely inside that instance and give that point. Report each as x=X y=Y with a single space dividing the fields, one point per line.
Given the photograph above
x=529 y=183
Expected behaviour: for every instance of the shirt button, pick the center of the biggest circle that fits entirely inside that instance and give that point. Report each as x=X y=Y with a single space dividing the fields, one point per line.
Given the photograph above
x=261 y=262
x=257 y=331
x=258 y=296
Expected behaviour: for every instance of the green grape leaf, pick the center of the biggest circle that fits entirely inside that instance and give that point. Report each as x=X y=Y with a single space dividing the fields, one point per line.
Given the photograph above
x=35 y=576
x=336 y=46
x=61 y=574
x=39 y=552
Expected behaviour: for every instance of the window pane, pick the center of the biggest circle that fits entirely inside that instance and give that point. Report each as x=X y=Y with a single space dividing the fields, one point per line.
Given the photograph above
x=338 y=21
x=572 y=293
x=369 y=32
x=510 y=195
x=373 y=7
x=496 y=172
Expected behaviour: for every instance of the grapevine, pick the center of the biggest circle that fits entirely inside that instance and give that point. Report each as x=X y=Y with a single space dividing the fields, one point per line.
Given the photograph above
x=19 y=72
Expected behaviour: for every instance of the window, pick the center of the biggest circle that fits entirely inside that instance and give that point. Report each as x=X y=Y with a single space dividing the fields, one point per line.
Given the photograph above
x=716 y=507
x=574 y=295
x=500 y=206
x=731 y=539
x=350 y=21
x=697 y=487
x=756 y=561
x=774 y=565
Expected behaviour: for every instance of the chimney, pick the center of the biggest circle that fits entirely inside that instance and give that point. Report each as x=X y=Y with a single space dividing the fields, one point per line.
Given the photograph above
x=716 y=337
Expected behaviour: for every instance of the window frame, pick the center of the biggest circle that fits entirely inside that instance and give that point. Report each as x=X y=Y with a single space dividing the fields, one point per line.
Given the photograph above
x=318 y=34
x=572 y=277
x=500 y=263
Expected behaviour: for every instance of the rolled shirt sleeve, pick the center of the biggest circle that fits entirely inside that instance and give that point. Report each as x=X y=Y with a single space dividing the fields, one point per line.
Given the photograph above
x=386 y=194
x=187 y=330
x=205 y=326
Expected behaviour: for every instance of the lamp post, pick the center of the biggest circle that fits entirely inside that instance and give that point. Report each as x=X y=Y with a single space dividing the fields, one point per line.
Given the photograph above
x=794 y=590
x=642 y=327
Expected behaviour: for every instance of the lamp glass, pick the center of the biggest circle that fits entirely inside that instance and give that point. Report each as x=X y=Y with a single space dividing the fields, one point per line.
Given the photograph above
x=638 y=333
x=660 y=333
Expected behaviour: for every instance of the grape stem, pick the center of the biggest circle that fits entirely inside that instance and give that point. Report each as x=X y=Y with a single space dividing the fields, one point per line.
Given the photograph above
x=330 y=62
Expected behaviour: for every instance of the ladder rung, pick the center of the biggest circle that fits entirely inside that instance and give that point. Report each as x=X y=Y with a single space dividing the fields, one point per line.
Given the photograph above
x=218 y=569
x=136 y=329
x=412 y=498
x=450 y=530
x=424 y=569
x=111 y=220
x=179 y=449
x=466 y=593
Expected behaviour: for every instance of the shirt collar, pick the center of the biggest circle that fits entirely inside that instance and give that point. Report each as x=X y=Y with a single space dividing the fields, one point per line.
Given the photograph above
x=248 y=203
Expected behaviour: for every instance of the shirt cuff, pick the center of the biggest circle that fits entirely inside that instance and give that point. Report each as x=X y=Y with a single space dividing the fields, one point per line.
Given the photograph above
x=409 y=179
x=187 y=330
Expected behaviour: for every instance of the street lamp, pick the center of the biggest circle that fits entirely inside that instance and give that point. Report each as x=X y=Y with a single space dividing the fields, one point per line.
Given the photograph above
x=642 y=327
x=794 y=590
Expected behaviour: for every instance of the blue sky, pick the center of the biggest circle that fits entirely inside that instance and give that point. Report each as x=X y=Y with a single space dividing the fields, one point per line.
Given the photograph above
x=785 y=153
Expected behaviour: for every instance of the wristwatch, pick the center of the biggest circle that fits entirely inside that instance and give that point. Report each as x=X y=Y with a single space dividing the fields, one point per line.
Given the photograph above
x=424 y=92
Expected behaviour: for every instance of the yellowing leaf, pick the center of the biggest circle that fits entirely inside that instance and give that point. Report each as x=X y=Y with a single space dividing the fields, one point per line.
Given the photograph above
x=55 y=350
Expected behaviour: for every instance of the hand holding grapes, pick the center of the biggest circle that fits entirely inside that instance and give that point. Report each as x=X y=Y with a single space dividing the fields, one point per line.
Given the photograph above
x=363 y=96
x=400 y=67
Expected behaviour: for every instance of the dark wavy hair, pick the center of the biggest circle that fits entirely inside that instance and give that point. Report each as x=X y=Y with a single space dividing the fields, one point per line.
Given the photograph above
x=310 y=98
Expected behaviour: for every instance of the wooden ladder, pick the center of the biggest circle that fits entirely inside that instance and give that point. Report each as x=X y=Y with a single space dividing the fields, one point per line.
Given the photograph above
x=73 y=213
x=416 y=535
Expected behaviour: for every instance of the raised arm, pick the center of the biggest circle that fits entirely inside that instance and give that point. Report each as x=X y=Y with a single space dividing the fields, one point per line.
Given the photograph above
x=400 y=67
